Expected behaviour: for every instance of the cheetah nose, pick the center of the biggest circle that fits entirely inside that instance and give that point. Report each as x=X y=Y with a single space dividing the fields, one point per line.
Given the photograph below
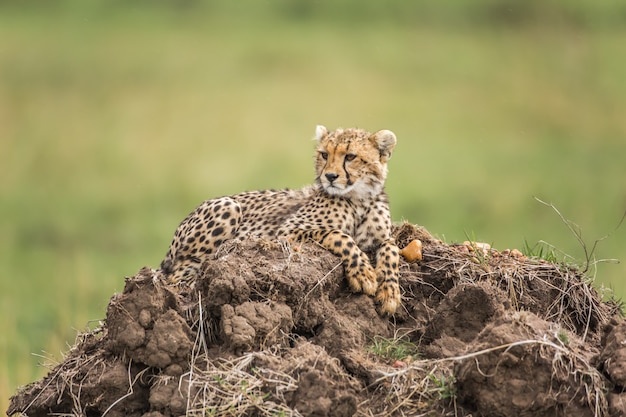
x=331 y=177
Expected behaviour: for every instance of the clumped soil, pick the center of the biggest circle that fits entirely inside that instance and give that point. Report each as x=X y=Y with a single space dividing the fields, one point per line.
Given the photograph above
x=270 y=330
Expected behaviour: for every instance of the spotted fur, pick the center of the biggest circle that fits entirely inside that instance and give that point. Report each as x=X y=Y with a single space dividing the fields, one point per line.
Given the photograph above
x=346 y=211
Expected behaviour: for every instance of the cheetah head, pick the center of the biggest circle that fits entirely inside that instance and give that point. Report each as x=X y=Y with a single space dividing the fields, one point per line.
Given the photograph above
x=352 y=162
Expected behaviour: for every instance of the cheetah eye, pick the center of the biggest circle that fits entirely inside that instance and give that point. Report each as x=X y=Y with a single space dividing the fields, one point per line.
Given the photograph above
x=324 y=155
x=350 y=156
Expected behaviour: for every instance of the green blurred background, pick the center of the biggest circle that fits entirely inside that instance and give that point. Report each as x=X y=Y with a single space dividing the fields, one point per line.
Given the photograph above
x=117 y=118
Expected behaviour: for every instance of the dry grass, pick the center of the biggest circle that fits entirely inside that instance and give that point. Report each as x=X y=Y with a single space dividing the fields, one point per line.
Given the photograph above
x=417 y=388
x=235 y=387
x=556 y=292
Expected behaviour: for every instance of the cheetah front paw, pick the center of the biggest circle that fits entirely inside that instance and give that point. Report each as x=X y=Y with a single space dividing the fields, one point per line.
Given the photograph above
x=362 y=279
x=388 y=298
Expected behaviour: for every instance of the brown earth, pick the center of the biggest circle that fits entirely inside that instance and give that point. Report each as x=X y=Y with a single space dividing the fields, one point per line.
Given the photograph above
x=271 y=331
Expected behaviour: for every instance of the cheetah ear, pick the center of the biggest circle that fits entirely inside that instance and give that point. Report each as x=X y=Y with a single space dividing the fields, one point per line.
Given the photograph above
x=320 y=132
x=385 y=141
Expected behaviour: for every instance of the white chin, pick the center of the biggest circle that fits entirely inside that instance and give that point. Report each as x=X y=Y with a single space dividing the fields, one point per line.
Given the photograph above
x=334 y=190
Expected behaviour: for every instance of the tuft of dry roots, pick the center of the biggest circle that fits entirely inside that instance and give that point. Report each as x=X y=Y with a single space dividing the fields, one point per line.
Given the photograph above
x=235 y=387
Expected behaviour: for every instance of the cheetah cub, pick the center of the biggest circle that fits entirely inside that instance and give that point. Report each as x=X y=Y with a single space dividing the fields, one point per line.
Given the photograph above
x=346 y=211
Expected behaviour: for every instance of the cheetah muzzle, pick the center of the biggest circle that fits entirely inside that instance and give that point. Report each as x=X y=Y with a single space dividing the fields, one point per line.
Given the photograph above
x=346 y=211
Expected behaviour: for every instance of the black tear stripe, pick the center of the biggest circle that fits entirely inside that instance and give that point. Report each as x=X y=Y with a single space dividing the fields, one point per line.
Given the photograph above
x=348 y=180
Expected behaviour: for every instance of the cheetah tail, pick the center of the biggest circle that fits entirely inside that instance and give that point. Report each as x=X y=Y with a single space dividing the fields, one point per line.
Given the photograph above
x=167 y=264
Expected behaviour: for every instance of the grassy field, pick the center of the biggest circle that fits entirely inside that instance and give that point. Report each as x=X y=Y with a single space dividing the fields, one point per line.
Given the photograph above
x=115 y=123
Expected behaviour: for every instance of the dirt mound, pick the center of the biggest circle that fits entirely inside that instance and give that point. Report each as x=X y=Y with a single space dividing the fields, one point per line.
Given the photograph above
x=271 y=330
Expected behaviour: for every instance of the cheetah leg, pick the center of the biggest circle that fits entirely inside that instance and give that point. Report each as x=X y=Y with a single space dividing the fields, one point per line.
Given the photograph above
x=387 y=260
x=199 y=236
x=359 y=272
